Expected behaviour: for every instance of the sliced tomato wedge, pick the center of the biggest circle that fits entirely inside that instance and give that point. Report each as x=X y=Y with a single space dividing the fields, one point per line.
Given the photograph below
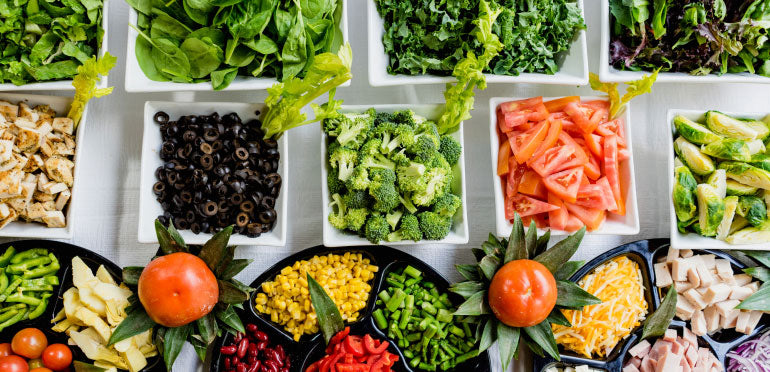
x=514 y=177
x=584 y=181
x=570 y=127
x=501 y=122
x=516 y=113
x=565 y=184
x=558 y=104
x=593 y=143
x=559 y=158
x=613 y=127
x=623 y=154
x=532 y=184
x=585 y=117
x=592 y=197
x=524 y=144
x=609 y=199
x=598 y=104
x=573 y=223
x=550 y=139
x=557 y=218
x=541 y=220
x=526 y=206
x=503 y=154
x=592 y=218
x=612 y=172
x=592 y=169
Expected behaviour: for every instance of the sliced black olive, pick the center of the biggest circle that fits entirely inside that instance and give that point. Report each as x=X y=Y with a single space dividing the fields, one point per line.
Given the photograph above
x=210 y=208
x=160 y=117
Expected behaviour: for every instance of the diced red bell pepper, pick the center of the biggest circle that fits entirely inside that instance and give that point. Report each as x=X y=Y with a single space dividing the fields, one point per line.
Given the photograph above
x=371 y=346
x=353 y=345
x=352 y=367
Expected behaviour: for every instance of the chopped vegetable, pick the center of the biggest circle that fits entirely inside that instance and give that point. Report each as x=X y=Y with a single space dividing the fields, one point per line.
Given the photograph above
x=635 y=88
x=89 y=74
x=27 y=281
x=351 y=353
x=751 y=355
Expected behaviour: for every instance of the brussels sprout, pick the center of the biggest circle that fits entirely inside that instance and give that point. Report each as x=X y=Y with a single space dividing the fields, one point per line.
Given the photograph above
x=683 y=225
x=684 y=194
x=718 y=179
x=749 y=235
x=747 y=174
x=694 y=132
x=761 y=127
x=753 y=209
x=728 y=126
x=677 y=162
x=692 y=157
x=739 y=189
x=738 y=223
x=731 y=204
x=757 y=148
x=729 y=149
x=711 y=209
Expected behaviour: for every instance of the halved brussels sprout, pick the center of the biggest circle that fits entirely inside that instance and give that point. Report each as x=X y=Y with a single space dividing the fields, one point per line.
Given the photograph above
x=750 y=235
x=728 y=126
x=762 y=130
x=692 y=157
x=756 y=148
x=718 y=179
x=683 y=225
x=753 y=209
x=747 y=174
x=738 y=223
x=677 y=162
x=711 y=209
x=684 y=194
x=731 y=204
x=739 y=189
x=728 y=149
x=694 y=132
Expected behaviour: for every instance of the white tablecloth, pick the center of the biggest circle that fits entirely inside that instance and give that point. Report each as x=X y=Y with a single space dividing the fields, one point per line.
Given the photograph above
x=107 y=216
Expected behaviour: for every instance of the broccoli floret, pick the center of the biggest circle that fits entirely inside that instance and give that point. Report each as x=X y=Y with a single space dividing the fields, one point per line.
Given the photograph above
x=447 y=205
x=393 y=217
x=402 y=136
x=333 y=182
x=383 y=189
x=380 y=117
x=450 y=149
x=407 y=117
x=359 y=179
x=400 y=158
x=377 y=161
x=409 y=229
x=354 y=132
x=410 y=176
x=433 y=226
x=437 y=181
x=423 y=150
x=355 y=218
x=407 y=203
x=370 y=147
x=356 y=199
x=377 y=228
x=332 y=126
x=344 y=160
x=338 y=211
x=383 y=132
x=428 y=129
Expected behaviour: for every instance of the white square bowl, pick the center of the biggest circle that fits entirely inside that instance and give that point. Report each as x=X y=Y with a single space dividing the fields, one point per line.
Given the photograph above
x=137 y=81
x=65 y=84
x=608 y=73
x=457 y=235
x=614 y=224
x=150 y=209
x=19 y=229
x=693 y=240
x=572 y=71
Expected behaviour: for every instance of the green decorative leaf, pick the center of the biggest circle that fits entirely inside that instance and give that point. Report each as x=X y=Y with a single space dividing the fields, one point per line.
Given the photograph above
x=215 y=252
x=229 y=317
x=562 y=251
x=478 y=253
x=329 y=318
x=762 y=256
x=507 y=343
x=235 y=266
x=489 y=265
x=564 y=272
x=533 y=346
x=230 y=294
x=542 y=243
x=173 y=342
x=467 y=289
x=199 y=347
x=167 y=243
x=174 y=233
x=557 y=317
x=85 y=367
x=131 y=275
x=160 y=333
x=571 y=296
x=760 y=300
x=517 y=247
x=474 y=305
x=657 y=323
x=136 y=322
x=760 y=273
x=207 y=328
x=469 y=272
x=488 y=335
x=542 y=335
x=530 y=239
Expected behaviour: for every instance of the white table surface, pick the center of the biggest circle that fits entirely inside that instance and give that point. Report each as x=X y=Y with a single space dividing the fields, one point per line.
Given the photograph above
x=107 y=217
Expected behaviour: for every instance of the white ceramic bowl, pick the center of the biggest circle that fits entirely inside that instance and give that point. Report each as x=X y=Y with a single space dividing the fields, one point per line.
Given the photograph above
x=693 y=240
x=65 y=84
x=150 y=209
x=137 y=81
x=573 y=69
x=457 y=235
x=614 y=224
x=18 y=229
x=608 y=73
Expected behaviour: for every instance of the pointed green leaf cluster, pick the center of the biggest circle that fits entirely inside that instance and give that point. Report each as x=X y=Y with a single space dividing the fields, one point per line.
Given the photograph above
x=657 y=323
x=760 y=300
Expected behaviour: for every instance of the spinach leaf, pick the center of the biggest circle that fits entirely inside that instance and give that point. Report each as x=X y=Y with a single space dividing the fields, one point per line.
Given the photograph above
x=204 y=58
x=294 y=51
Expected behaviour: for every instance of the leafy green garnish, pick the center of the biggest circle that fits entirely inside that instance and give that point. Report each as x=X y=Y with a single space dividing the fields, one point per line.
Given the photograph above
x=328 y=315
x=89 y=74
x=635 y=88
x=656 y=324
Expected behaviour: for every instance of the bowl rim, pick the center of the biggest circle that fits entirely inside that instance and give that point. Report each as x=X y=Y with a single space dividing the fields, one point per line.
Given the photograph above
x=348 y=240
x=376 y=52
x=145 y=229
x=503 y=227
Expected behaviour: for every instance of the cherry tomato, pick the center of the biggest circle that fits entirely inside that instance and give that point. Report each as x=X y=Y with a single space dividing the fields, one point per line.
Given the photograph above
x=40 y=369
x=5 y=349
x=13 y=363
x=35 y=363
x=29 y=343
x=57 y=357
x=177 y=289
x=522 y=293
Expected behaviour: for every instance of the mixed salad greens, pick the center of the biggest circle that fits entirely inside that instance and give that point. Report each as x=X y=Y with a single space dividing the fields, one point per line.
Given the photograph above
x=427 y=36
x=215 y=40
x=699 y=37
x=47 y=40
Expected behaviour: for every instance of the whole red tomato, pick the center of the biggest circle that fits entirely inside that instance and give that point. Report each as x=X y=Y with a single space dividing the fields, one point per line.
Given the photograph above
x=57 y=357
x=5 y=349
x=13 y=363
x=522 y=293
x=177 y=289
x=29 y=343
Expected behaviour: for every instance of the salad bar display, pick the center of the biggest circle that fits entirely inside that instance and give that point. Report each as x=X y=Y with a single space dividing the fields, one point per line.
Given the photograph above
x=214 y=175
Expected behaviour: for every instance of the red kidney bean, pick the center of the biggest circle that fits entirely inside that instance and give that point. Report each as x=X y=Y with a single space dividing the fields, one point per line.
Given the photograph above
x=227 y=350
x=227 y=363
x=241 y=367
x=261 y=336
x=284 y=369
x=251 y=327
x=271 y=365
x=249 y=352
x=281 y=352
x=273 y=356
x=253 y=350
x=237 y=338
x=254 y=367
x=235 y=361
x=243 y=347
x=261 y=345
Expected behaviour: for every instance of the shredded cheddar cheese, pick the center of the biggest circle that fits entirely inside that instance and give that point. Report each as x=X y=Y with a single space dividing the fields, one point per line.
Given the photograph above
x=598 y=328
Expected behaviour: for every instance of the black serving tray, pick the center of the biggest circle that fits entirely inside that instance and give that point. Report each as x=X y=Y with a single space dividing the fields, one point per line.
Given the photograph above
x=646 y=253
x=310 y=348
x=65 y=252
